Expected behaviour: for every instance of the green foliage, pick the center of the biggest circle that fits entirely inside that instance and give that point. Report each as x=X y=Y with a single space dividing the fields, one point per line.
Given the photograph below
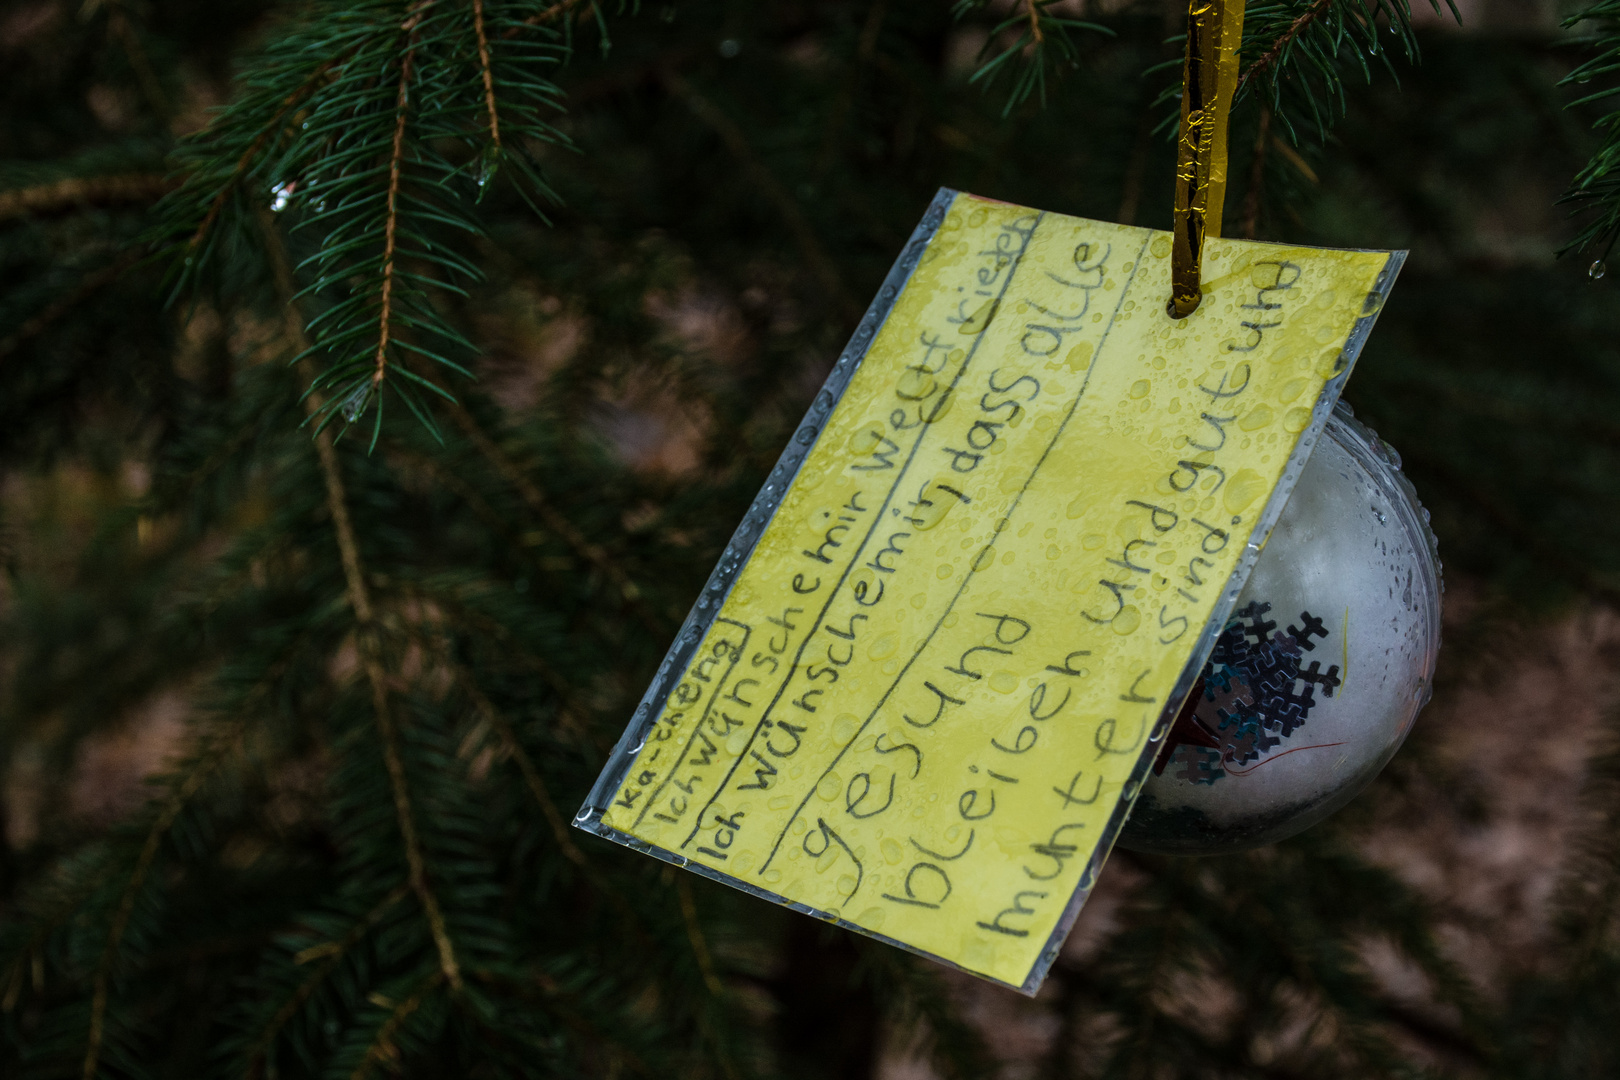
x=1030 y=43
x=1596 y=189
x=1302 y=52
x=400 y=660
x=375 y=132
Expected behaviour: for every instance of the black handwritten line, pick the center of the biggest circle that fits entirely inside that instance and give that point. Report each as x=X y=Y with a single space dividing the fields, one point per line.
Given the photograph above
x=719 y=687
x=877 y=520
x=968 y=577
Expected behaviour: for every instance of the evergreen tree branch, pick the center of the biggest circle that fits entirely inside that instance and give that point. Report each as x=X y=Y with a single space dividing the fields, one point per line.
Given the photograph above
x=514 y=749
x=367 y=636
x=391 y=214
x=382 y=1048
x=1273 y=55
x=377 y=168
x=1042 y=41
x=1595 y=189
x=553 y=518
x=251 y=155
x=489 y=78
x=73 y=192
x=330 y=953
x=569 y=715
x=178 y=798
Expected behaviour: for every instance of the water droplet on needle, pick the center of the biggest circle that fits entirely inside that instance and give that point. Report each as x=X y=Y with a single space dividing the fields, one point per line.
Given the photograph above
x=1597 y=269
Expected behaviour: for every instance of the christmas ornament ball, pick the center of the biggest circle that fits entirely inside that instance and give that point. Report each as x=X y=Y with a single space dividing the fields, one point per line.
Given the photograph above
x=1320 y=672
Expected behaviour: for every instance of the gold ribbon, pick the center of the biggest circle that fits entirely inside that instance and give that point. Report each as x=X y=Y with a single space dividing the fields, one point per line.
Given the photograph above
x=1209 y=80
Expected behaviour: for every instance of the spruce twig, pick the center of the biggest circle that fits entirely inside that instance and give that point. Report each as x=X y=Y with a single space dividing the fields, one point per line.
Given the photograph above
x=553 y=518
x=330 y=954
x=257 y=146
x=489 y=78
x=1274 y=54
x=385 y=322
x=179 y=796
x=382 y=1048
x=368 y=632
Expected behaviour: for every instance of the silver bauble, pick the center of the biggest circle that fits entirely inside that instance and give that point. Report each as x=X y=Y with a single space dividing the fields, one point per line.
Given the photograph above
x=1321 y=671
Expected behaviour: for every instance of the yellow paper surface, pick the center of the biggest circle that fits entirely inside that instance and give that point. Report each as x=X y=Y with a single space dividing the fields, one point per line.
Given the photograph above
x=928 y=687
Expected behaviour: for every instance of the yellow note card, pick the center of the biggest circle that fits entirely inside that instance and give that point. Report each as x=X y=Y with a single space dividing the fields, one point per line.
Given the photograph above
x=932 y=670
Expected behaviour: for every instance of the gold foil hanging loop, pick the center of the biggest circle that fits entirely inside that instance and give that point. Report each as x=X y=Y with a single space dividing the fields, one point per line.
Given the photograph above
x=1209 y=81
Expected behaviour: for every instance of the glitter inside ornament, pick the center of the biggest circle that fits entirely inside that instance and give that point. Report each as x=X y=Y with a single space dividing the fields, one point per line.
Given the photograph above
x=1319 y=673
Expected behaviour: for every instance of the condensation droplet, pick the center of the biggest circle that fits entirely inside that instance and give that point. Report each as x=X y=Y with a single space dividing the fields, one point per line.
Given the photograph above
x=1597 y=269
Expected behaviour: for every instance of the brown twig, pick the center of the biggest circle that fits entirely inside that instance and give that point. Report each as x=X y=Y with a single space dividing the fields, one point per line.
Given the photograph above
x=391 y=217
x=489 y=78
x=288 y=104
x=367 y=638
x=1035 y=22
x=1269 y=58
x=59 y=196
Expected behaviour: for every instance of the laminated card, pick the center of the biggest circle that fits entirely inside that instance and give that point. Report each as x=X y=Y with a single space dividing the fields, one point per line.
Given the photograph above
x=924 y=684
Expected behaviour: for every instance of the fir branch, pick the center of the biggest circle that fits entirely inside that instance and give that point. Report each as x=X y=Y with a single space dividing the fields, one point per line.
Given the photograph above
x=1032 y=43
x=330 y=954
x=554 y=519
x=367 y=636
x=489 y=79
x=556 y=11
x=391 y=215
x=377 y=171
x=1595 y=190
x=568 y=713
x=1302 y=51
x=73 y=192
x=371 y=660
x=179 y=797
x=382 y=1048
x=255 y=148
x=514 y=749
x=1269 y=59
